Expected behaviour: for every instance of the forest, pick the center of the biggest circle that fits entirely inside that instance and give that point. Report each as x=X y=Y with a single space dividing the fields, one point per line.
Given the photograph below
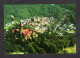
x=41 y=10
x=48 y=42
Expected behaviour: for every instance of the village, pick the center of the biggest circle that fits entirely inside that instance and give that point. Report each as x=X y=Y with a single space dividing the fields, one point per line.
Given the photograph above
x=40 y=23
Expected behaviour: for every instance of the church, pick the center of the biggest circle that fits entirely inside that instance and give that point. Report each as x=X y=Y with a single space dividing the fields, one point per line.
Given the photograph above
x=26 y=33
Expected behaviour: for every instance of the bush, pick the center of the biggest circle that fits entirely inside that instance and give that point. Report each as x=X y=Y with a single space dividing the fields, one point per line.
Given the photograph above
x=44 y=43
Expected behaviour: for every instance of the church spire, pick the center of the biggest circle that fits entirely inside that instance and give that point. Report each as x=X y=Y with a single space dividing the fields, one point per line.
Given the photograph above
x=21 y=22
x=21 y=27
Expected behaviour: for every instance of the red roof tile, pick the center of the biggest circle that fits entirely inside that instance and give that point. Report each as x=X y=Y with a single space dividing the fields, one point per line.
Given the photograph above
x=26 y=32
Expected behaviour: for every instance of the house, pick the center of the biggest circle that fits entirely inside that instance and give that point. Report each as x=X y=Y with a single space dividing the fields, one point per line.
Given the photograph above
x=44 y=18
x=34 y=19
x=26 y=33
x=26 y=21
x=48 y=20
x=39 y=30
x=33 y=23
x=29 y=20
x=36 y=23
x=39 y=24
x=38 y=19
x=37 y=27
x=46 y=23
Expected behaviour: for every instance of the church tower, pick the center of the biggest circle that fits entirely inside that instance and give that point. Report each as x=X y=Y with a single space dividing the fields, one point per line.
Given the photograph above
x=21 y=27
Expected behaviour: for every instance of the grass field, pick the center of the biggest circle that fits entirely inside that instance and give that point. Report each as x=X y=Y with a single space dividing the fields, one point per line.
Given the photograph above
x=71 y=49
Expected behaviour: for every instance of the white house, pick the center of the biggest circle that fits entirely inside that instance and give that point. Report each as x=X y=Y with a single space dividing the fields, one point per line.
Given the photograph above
x=36 y=28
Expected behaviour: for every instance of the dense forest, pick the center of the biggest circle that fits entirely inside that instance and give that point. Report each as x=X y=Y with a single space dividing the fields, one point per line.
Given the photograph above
x=49 y=41
x=46 y=10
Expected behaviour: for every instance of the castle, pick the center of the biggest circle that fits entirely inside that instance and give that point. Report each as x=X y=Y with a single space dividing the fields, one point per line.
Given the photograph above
x=26 y=33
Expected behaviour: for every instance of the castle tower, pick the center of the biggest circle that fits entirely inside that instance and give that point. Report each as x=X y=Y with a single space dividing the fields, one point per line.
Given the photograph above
x=21 y=27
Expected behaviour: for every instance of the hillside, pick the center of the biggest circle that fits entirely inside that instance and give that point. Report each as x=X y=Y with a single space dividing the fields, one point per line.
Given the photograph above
x=29 y=11
x=39 y=28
